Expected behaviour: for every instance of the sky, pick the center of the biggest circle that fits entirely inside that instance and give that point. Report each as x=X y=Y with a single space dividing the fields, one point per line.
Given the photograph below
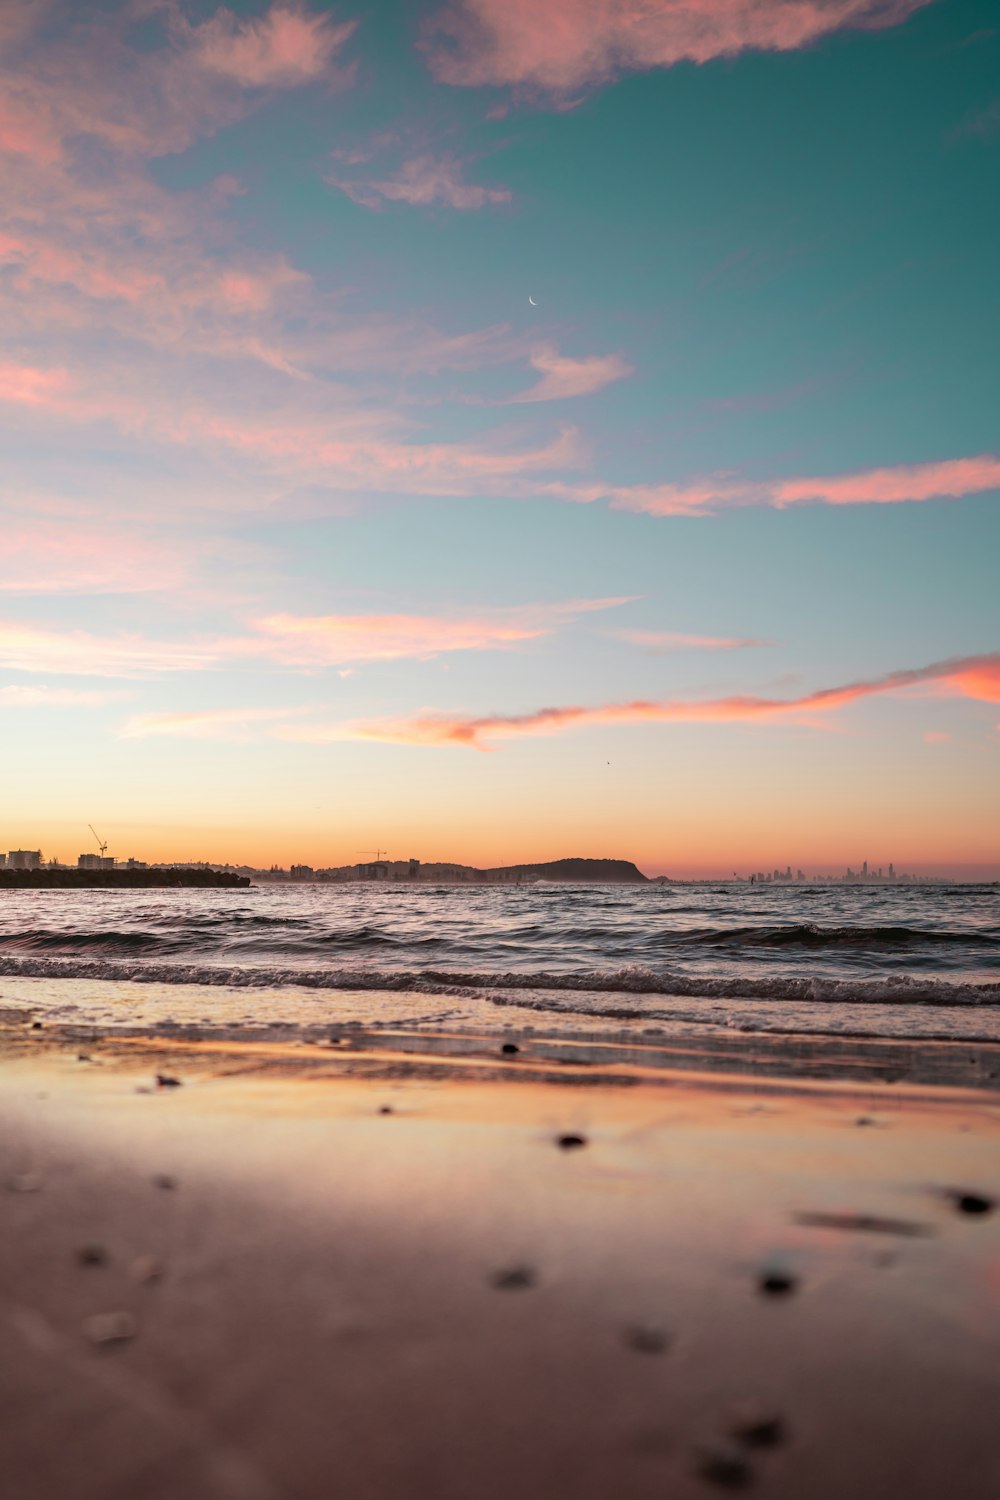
x=433 y=427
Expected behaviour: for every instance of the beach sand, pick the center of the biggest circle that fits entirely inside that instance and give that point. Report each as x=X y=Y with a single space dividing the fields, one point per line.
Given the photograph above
x=405 y=1265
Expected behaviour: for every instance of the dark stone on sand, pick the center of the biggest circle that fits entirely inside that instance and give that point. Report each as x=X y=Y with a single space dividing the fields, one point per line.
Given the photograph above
x=509 y=1048
x=385 y=1109
x=167 y=1081
x=513 y=1279
x=865 y=1224
x=571 y=1142
x=644 y=1338
x=165 y=1181
x=726 y=1467
x=92 y=1255
x=36 y=1025
x=757 y=1426
x=973 y=1203
x=775 y=1281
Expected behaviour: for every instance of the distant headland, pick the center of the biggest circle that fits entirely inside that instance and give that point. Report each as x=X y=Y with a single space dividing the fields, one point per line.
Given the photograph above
x=22 y=869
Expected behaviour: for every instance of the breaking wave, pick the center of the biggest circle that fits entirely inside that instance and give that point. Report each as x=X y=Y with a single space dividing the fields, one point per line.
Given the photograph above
x=539 y=989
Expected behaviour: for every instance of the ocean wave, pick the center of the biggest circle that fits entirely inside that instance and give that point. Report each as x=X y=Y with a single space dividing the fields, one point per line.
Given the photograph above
x=53 y=941
x=811 y=935
x=537 y=990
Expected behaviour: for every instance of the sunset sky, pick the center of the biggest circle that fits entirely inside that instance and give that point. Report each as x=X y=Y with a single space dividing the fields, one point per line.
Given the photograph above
x=318 y=536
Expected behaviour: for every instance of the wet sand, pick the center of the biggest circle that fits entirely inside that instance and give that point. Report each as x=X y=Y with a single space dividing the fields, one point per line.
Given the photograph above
x=404 y=1265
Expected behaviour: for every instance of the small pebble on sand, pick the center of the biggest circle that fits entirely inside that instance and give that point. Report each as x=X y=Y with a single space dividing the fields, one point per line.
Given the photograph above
x=757 y=1426
x=110 y=1328
x=92 y=1255
x=571 y=1142
x=646 y=1338
x=513 y=1279
x=725 y=1466
x=167 y=1081
x=385 y=1109
x=165 y=1181
x=972 y=1203
x=776 y=1281
x=509 y=1048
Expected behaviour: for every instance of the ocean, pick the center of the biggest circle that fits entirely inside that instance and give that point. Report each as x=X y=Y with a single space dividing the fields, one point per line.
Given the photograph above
x=918 y=961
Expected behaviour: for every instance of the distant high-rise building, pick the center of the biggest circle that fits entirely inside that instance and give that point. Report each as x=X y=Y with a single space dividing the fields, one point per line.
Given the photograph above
x=24 y=859
x=95 y=862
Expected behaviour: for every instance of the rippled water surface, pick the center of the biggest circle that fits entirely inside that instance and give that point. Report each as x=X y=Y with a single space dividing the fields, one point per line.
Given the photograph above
x=937 y=945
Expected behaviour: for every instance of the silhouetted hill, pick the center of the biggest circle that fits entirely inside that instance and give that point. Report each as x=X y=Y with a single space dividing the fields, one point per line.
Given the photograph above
x=621 y=871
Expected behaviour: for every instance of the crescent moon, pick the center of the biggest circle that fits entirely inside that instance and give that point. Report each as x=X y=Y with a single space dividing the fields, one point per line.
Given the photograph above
x=532 y=301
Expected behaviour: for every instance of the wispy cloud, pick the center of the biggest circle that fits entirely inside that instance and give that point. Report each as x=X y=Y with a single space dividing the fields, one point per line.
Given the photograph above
x=976 y=677
x=572 y=43
x=663 y=641
x=25 y=385
x=328 y=640
x=563 y=376
x=981 y=122
x=208 y=724
x=304 y=641
x=422 y=181
x=27 y=648
x=281 y=49
x=58 y=558
x=701 y=497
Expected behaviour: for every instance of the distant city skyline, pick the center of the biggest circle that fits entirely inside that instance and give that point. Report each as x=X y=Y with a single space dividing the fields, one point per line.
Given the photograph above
x=505 y=441
x=301 y=869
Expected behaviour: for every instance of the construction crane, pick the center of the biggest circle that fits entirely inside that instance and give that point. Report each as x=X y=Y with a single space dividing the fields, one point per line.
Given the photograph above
x=378 y=853
x=103 y=847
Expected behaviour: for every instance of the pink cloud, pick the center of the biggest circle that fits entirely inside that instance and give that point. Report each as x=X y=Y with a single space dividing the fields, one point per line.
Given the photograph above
x=208 y=724
x=27 y=648
x=327 y=639
x=28 y=386
x=670 y=640
x=563 y=376
x=322 y=640
x=54 y=557
x=25 y=132
x=284 y=48
x=969 y=677
x=307 y=641
x=960 y=476
x=575 y=42
x=423 y=180
x=905 y=482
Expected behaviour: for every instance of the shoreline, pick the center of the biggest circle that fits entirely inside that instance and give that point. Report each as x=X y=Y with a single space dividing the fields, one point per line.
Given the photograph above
x=406 y=1262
